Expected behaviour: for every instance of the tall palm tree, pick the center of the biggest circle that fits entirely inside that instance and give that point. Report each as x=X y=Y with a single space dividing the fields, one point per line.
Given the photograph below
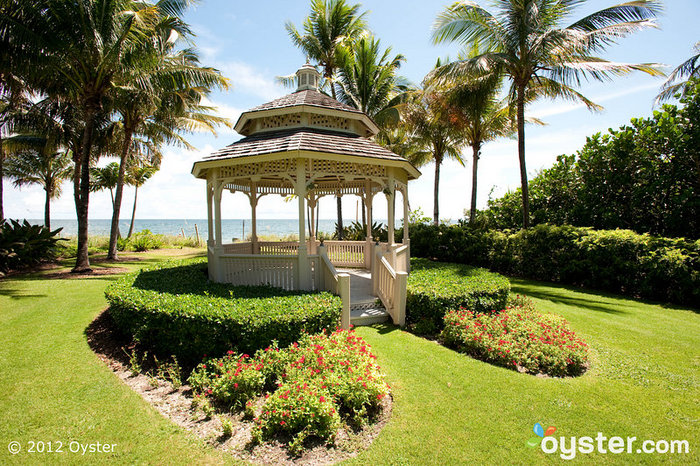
x=328 y=33
x=368 y=80
x=48 y=168
x=436 y=134
x=484 y=116
x=675 y=83
x=77 y=50
x=138 y=175
x=526 y=41
x=161 y=98
x=105 y=178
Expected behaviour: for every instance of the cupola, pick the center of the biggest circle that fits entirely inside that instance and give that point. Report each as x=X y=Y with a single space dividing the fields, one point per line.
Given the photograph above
x=307 y=78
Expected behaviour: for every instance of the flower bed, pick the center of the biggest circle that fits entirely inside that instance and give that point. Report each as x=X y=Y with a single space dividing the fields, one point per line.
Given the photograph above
x=435 y=287
x=519 y=338
x=173 y=309
x=311 y=386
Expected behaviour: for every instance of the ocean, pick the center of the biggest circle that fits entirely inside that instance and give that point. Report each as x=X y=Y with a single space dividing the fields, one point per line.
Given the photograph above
x=231 y=228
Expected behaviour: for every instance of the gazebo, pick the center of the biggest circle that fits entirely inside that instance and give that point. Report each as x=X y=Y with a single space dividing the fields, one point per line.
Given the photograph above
x=309 y=145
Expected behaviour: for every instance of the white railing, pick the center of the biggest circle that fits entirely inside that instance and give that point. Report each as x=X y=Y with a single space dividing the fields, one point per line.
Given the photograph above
x=253 y=269
x=276 y=248
x=346 y=253
x=238 y=248
x=390 y=285
x=337 y=283
x=403 y=259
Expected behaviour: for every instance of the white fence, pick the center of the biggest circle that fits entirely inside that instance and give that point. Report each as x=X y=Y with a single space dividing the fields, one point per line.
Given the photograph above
x=253 y=269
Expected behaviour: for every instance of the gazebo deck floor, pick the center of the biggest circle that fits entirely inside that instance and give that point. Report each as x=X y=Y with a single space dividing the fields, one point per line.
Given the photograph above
x=365 y=307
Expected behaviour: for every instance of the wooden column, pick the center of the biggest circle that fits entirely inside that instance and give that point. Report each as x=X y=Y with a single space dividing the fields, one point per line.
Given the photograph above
x=391 y=208
x=210 y=213
x=303 y=277
x=405 y=214
x=218 y=188
x=369 y=245
x=254 y=218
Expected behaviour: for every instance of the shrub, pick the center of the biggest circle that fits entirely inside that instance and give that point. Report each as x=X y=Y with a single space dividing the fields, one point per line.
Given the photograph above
x=232 y=380
x=517 y=338
x=145 y=240
x=620 y=261
x=24 y=244
x=174 y=309
x=314 y=382
x=435 y=287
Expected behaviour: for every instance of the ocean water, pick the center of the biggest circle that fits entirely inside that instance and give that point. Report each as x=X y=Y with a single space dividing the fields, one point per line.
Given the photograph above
x=231 y=228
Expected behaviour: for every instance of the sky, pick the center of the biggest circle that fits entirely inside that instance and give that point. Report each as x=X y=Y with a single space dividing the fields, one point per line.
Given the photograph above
x=248 y=43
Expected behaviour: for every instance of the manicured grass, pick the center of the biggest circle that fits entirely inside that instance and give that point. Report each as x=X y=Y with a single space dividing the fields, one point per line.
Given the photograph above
x=448 y=408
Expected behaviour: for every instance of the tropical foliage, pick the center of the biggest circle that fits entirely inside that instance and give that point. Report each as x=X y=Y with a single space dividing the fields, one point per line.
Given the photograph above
x=675 y=84
x=23 y=245
x=526 y=41
x=647 y=173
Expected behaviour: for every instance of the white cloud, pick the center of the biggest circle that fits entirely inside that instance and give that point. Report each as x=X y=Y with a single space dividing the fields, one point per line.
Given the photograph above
x=247 y=79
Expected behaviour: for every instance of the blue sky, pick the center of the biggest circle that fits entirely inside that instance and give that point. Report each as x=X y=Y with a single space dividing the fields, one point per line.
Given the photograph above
x=248 y=43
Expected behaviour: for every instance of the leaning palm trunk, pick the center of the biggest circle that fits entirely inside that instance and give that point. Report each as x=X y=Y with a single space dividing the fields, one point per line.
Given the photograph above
x=47 y=207
x=133 y=213
x=521 y=156
x=339 y=207
x=472 y=211
x=117 y=200
x=82 y=192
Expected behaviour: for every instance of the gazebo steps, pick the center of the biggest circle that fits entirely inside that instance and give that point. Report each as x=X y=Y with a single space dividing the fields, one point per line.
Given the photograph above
x=369 y=315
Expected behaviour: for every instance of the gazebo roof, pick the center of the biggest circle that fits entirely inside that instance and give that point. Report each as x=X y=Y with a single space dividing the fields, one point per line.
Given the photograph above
x=305 y=124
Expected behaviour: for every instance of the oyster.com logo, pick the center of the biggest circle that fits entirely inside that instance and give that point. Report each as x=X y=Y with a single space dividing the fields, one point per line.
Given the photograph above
x=541 y=433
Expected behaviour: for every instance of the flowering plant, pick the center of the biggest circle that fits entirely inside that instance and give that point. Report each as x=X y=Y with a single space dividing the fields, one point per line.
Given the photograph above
x=518 y=337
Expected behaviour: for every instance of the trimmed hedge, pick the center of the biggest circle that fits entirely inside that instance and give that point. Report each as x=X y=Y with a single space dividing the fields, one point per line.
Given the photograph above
x=173 y=308
x=621 y=261
x=435 y=287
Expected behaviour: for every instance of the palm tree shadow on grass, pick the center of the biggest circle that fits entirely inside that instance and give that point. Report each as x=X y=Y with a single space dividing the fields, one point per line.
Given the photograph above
x=594 y=300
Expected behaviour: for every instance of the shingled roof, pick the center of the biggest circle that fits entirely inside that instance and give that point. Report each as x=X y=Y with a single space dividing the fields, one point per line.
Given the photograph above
x=306 y=139
x=305 y=97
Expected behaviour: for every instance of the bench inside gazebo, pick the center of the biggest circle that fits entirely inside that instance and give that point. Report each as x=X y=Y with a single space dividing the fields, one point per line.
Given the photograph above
x=309 y=145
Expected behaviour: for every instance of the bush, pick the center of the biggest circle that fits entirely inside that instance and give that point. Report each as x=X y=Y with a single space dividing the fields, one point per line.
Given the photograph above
x=517 y=338
x=620 y=261
x=313 y=382
x=145 y=240
x=435 y=287
x=24 y=245
x=174 y=309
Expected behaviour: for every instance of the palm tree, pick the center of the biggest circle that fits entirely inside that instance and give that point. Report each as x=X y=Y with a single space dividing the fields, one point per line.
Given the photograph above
x=105 y=178
x=329 y=32
x=48 y=168
x=76 y=51
x=525 y=40
x=161 y=98
x=688 y=69
x=436 y=133
x=368 y=81
x=484 y=118
x=138 y=175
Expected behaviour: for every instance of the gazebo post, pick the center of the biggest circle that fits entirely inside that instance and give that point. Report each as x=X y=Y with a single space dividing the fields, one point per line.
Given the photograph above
x=216 y=272
x=210 y=220
x=254 y=218
x=303 y=277
x=404 y=191
x=368 y=198
x=391 y=208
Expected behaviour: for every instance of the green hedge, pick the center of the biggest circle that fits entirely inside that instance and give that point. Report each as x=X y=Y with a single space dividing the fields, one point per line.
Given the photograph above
x=436 y=287
x=174 y=309
x=621 y=261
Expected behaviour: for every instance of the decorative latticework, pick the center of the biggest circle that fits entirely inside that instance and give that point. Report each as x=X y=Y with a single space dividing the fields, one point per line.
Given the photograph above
x=347 y=168
x=280 y=121
x=330 y=122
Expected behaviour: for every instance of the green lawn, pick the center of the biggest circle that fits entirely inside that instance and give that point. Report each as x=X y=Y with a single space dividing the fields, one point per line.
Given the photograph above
x=448 y=408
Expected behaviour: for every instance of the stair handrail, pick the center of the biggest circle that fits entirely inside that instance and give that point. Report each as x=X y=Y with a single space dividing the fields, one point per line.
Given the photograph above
x=390 y=286
x=336 y=283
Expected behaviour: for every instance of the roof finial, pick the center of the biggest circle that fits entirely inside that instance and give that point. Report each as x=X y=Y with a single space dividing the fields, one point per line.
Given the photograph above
x=307 y=77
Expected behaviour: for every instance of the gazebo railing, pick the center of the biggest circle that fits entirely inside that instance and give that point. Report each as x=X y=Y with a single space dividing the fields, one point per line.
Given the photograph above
x=253 y=269
x=271 y=248
x=340 y=253
x=337 y=283
x=390 y=284
x=346 y=253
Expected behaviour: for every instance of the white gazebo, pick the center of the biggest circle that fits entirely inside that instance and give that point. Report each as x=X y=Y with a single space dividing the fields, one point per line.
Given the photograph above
x=309 y=145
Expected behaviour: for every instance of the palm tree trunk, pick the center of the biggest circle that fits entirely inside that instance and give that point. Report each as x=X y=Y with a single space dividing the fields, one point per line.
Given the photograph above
x=47 y=207
x=339 y=208
x=117 y=199
x=436 y=189
x=82 y=192
x=133 y=213
x=476 y=148
x=521 y=155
